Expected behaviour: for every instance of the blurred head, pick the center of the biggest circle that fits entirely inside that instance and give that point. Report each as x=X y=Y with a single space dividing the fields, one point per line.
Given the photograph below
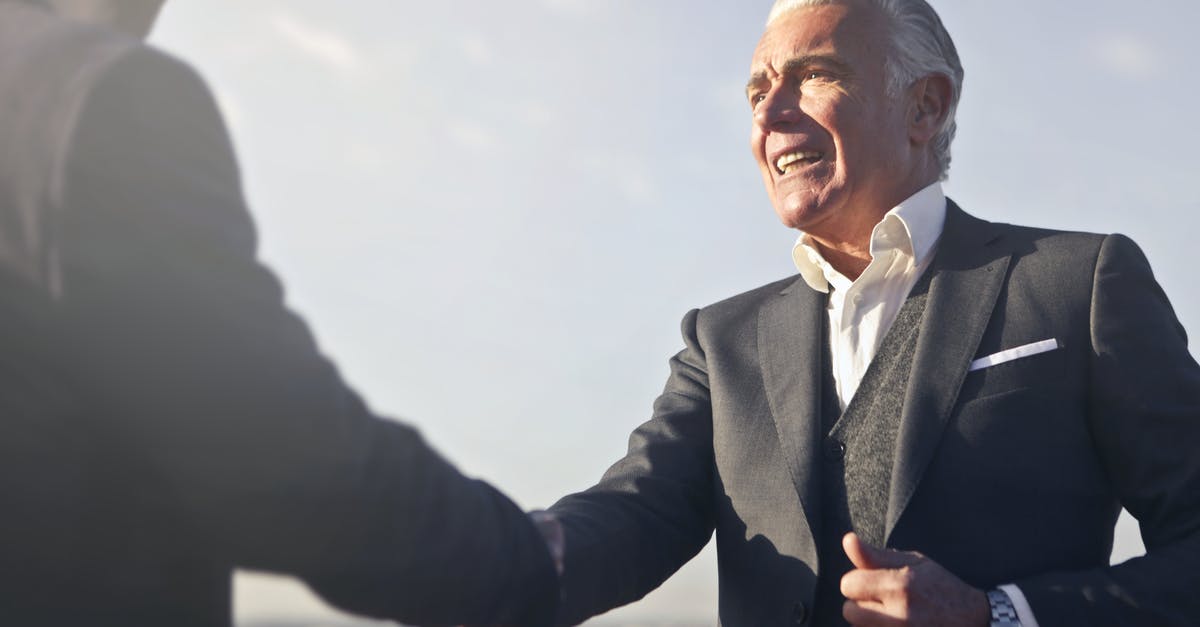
x=853 y=105
x=133 y=17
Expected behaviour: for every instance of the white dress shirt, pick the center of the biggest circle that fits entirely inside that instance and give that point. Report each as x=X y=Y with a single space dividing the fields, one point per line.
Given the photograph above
x=861 y=311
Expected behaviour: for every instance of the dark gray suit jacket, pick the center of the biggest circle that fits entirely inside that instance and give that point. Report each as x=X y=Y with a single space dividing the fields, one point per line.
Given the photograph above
x=1013 y=473
x=163 y=417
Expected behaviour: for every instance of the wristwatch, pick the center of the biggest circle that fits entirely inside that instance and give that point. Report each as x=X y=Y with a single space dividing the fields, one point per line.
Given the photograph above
x=1004 y=613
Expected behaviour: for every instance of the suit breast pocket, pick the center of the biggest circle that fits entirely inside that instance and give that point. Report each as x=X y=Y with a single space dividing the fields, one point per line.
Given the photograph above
x=1042 y=370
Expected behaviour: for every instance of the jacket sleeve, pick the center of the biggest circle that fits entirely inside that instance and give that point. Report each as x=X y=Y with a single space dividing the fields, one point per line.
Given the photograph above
x=1144 y=408
x=652 y=511
x=207 y=383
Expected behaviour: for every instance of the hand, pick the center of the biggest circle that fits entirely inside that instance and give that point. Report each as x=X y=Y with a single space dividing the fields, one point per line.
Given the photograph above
x=552 y=532
x=894 y=588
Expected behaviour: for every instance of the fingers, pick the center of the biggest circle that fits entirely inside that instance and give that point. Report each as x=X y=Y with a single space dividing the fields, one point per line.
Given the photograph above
x=859 y=552
x=868 y=557
x=876 y=585
x=880 y=575
x=904 y=588
x=868 y=614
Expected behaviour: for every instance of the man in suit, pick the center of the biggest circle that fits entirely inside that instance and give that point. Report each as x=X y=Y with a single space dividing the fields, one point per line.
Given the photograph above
x=938 y=421
x=163 y=417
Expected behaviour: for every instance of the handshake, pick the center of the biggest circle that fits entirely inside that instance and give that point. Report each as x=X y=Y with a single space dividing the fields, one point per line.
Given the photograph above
x=166 y=419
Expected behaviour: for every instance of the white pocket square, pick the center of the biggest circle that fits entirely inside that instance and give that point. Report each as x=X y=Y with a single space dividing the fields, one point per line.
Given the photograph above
x=1026 y=350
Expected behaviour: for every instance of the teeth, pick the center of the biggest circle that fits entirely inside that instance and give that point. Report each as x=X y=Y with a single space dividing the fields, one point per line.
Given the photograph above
x=784 y=162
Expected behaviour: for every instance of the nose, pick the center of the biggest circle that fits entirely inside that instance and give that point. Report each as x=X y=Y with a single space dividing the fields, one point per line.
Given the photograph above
x=779 y=109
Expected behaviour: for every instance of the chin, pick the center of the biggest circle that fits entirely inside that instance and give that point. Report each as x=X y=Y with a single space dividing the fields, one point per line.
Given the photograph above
x=799 y=213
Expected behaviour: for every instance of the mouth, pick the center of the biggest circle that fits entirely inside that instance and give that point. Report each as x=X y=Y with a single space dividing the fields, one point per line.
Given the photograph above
x=795 y=160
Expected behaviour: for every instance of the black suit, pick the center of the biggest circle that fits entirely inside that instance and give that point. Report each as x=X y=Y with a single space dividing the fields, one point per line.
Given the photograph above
x=163 y=417
x=1013 y=473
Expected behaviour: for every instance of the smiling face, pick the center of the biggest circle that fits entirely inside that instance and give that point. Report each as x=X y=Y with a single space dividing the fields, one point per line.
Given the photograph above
x=834 y=148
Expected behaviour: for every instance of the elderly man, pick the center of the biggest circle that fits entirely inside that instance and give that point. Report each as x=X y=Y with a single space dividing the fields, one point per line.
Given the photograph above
x=164 y=417
x=939 y=420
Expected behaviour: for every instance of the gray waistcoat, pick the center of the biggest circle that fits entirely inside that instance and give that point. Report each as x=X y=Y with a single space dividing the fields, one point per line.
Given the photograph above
x=859 y=450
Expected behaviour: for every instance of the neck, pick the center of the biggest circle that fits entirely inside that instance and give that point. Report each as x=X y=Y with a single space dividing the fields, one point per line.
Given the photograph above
x=848 y=258
x=847 y=245
x=845 y=241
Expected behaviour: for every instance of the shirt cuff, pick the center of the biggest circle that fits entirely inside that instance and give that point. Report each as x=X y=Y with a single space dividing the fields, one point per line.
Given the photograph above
x=1020 y=604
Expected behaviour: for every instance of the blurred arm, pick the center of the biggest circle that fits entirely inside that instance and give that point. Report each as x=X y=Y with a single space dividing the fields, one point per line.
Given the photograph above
x=214 y=388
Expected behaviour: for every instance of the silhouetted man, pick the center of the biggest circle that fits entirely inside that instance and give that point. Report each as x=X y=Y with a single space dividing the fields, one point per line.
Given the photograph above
x=163 y=417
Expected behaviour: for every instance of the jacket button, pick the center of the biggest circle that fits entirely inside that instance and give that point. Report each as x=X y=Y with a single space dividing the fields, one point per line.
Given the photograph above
x=799 y=614
x=835 y=451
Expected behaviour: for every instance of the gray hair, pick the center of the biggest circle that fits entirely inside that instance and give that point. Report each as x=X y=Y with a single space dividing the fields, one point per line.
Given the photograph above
x=920 y=47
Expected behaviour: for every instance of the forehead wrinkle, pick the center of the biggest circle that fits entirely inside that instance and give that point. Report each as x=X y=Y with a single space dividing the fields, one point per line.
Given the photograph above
x=806 y=61
x=795 y=64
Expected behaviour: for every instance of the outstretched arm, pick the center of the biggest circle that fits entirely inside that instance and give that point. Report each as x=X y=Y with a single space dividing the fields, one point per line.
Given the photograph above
x=210 y=385
x=652 y=511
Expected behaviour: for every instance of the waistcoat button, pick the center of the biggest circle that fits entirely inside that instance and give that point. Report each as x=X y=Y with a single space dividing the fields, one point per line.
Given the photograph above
x=799 y=614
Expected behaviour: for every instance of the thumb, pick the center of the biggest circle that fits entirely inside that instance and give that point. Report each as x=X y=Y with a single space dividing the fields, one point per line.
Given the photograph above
x=868 y=557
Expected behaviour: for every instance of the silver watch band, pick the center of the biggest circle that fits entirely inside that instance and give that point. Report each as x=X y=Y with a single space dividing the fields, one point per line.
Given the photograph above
x=1004 y=613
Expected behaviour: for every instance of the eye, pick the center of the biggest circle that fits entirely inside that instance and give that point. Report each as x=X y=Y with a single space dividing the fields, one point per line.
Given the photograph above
x=755 y=99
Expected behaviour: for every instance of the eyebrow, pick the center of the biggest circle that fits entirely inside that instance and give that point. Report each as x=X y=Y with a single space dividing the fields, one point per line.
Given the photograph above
x=798 y=63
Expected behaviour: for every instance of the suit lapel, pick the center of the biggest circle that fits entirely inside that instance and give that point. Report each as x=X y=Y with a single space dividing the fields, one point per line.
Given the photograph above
x=970 y=267
x=790 y=330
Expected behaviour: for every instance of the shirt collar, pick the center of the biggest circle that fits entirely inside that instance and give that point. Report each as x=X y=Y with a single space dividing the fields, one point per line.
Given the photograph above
x=920 y=218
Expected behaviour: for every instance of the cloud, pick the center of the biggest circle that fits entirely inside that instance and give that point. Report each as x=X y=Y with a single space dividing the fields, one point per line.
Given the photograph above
x=1128 y=56
x=573 y=7
x=471 y=136
x=366 y=158
x=627 y=173
x=324 y=46
x=536 y=114
x=476 y=50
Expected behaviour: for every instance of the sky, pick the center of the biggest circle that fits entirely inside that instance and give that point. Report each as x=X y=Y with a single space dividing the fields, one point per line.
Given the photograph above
x=494 y=214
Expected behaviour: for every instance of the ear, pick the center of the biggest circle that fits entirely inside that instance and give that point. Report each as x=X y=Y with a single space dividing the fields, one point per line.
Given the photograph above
x=930 y=105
